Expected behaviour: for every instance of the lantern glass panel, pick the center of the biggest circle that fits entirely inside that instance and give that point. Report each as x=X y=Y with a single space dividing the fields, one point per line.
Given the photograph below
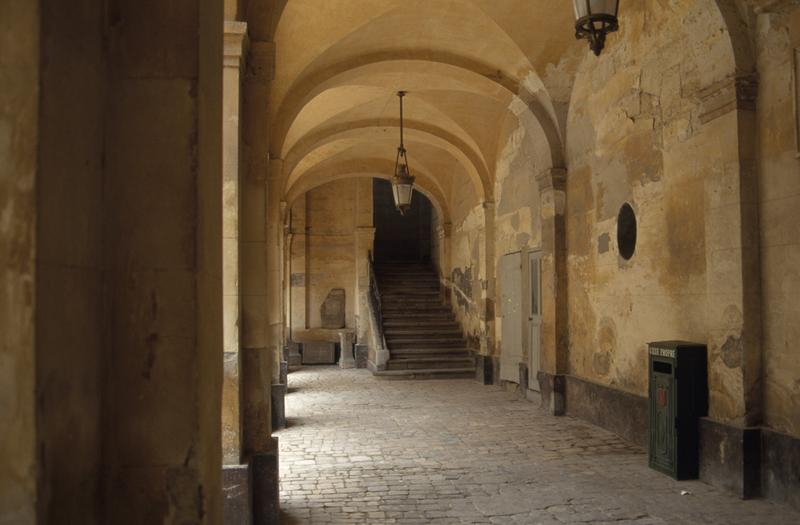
x=595 y=7
x=402 y=194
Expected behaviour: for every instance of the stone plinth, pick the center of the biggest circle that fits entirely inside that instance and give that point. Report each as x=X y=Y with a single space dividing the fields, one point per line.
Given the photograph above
x=346 y=359
x=237 y=500
x=362 y=356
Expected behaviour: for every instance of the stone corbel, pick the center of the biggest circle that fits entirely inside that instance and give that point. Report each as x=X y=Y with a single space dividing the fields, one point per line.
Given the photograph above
x=730 y=94
x=234 y=43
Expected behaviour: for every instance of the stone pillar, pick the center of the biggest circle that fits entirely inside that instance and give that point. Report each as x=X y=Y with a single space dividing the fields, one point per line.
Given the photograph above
x=19 y=190
x=260 y=449
x=298 y=274
x=364 y=242
x=443 y=231
x=274 y=263
x=346 y=357
x=554 y=359
x=488 y=336
x=162 y=216
x=235 y=43
x=733 y=255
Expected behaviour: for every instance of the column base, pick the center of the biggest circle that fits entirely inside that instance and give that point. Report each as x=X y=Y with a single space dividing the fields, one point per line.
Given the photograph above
x=730 y=457
x=485 y=370
x=278 y=406
x=523 y=379
x=293 y=357
x=553 y=388
x=284 y=373
x=266 y=488
x=237 y=496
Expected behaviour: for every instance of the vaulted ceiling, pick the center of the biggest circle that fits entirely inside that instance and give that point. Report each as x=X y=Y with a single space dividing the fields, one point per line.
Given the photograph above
x=468 y=65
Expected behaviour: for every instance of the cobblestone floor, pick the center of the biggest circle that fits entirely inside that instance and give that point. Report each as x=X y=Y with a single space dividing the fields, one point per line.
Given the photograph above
x=361 y=450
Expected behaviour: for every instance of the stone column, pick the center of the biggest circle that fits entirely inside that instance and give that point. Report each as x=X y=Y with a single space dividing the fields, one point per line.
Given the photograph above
x=733 y=255
x=488 y=336
x=554 y=359
x=260 y=449
x=235 y=44
x=162 y=215
x=298 y=275
x=364 y=242
x=274 y=263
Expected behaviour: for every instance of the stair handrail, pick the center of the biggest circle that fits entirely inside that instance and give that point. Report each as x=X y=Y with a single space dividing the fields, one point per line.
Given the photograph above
x=376 y=316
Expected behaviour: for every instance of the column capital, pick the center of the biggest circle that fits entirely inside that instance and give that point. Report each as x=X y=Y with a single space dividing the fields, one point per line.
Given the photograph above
x=235 y=43
x=735 y=93
x=261 y=62
x=365 y=231
x=552 y=179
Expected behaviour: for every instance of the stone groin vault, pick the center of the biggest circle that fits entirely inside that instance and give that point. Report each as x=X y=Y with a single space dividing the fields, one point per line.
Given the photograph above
x=183 y=184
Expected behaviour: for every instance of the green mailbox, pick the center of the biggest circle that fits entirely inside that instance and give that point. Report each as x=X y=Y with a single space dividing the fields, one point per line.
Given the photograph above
x=678 y=398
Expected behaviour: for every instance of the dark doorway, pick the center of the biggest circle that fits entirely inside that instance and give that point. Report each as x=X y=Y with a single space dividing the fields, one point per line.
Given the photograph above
x=400 y=237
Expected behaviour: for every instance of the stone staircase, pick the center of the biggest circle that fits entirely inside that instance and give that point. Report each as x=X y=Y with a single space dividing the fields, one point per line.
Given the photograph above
x=424 y=339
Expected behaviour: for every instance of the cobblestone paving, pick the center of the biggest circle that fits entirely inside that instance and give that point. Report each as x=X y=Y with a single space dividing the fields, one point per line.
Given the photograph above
x=361 y=450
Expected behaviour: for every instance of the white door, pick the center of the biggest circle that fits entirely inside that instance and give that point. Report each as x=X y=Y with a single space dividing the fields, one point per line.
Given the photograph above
x=510 y=275
x=534 y=318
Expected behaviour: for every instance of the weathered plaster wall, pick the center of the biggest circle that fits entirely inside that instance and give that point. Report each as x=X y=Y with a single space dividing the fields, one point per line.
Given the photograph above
x=778 y=38
x=467 y=264
x=19 y=82
x=329 y=219
x=634 y=135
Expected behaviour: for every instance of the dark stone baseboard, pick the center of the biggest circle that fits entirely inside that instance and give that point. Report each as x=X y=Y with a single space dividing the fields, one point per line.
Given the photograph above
x=553 y=390
x=237 y=496
x=279 y=406
x=780 y=467
x=749 y=462
x=620 y=412
x=266 y=488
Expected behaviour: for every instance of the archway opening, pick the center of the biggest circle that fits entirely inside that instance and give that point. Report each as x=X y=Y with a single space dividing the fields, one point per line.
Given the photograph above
x=401 y=238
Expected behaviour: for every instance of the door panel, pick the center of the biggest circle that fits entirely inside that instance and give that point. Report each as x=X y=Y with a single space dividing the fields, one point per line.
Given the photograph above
x=511 y=303
x=534 y=318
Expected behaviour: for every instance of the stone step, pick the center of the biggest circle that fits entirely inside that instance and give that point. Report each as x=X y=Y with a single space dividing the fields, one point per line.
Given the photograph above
x=413 y=316
x=420 y=332
x=422 y=363
x=431 y=373
x=407 y=343
x=422 y=323
x=410 y=353
x=395 y=309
